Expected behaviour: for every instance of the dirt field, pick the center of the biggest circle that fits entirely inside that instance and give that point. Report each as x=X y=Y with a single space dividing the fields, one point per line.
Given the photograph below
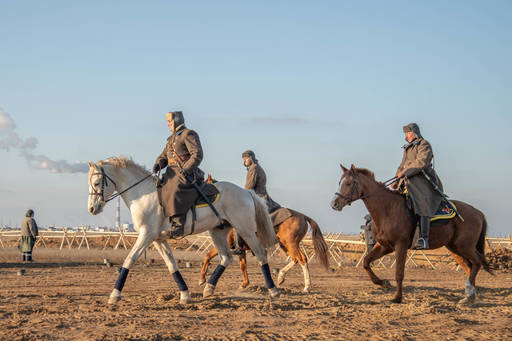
x=63 y=295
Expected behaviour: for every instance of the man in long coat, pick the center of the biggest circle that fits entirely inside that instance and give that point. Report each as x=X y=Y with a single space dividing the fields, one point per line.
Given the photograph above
x=29 y=232
x=417 y=159
x=182 y=155
x=256 y=180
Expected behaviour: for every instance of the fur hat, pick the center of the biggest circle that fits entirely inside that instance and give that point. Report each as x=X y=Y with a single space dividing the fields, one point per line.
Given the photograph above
x=413 y=127
x=30 y=213
x=177 y=117
x=250 y=154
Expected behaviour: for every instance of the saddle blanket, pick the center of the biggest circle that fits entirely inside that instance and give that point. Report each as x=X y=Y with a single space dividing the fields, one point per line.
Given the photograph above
x=212 y=193
x=280 y=215
x=444 y=212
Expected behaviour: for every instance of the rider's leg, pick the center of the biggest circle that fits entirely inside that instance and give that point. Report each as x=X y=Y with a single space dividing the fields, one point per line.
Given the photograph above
x=424 y=233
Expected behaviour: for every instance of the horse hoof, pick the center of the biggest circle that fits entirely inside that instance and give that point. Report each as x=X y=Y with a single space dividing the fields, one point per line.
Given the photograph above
x=115 y=297
x=396 y=300
x=469 y=300
x=387 y=284
x=273 y=292
x=209 y=289
x=280 y=279
x=244 y=285
x=202 y=281
x=185 y=297
x=307 y=290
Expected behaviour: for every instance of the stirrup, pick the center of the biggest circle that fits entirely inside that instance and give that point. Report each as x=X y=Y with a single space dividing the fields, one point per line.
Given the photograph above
x=176 y=232
x=421 y=244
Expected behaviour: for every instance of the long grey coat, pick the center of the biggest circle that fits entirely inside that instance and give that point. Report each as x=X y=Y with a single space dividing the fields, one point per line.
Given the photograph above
x=29 y=232
x=417 y=157
x=183 y=150
x=257 y=181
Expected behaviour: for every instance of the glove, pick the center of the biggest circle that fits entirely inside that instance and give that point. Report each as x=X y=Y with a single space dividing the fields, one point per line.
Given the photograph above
x=185 y=173
x=156 y=168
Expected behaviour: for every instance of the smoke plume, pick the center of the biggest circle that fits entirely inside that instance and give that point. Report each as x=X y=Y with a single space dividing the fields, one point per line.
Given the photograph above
x=9 y=139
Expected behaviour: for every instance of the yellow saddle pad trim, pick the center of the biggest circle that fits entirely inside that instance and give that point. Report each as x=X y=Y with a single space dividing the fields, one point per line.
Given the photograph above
x=450 y=215
x=214 y=201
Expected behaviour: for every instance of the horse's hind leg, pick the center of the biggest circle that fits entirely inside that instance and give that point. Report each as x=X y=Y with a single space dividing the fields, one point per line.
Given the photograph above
x=377 y=252
x=476 y=264
x=282 y=273
x=165 y=251
x=261 y=254
x=206 y=263
x=225 y=258
x=463 y=263
x=243 y=267
x=142 y=242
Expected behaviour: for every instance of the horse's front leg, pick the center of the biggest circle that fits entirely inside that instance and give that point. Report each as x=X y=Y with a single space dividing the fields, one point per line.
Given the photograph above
x=401 y=256
x=142 y=242
x=206 y=264
x=165 y=251
x=377 y=252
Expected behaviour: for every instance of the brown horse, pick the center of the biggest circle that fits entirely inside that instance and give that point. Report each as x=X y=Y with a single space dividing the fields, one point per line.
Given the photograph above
x=394 y=230
x=290 y=233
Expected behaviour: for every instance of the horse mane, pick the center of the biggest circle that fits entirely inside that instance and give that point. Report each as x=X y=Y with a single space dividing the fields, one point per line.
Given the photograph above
x=371 y=175
x=124 y=162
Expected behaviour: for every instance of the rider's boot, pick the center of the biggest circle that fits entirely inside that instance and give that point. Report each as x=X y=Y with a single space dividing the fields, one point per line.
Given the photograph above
x=237 y=245
x=422 y=242
x=177 y=226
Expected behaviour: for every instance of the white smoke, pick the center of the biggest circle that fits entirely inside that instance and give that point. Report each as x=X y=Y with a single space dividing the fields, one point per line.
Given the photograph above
x=9 y=139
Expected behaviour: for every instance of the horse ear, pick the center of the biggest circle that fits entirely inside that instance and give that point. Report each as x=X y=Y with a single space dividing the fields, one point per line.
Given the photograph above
x=353 y=169
x=343 y=168
x=91 y=164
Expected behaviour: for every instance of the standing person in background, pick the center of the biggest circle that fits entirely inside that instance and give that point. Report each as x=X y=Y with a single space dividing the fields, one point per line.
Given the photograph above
x=29 y=232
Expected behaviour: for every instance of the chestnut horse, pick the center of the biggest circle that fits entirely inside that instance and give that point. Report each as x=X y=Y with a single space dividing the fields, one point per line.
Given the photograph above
x=290 y=233
x=394 y=230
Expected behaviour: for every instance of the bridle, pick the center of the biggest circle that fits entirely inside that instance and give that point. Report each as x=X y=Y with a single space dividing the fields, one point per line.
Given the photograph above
x=104 y=183
x=349 y=200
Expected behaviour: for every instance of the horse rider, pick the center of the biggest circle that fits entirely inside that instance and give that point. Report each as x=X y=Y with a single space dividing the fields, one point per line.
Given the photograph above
x=29 y=232
x=256 y=180
x=425 y=200
x=182 y=155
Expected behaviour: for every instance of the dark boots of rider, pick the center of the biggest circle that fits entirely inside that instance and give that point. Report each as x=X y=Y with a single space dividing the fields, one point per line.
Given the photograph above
x=422 y=242
x=237 y=245
x=177 y=225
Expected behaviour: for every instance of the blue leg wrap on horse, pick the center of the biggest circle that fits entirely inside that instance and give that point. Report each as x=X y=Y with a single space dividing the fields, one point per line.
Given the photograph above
x=216 y=274
x=269 y=282
x=179 y=280
x=121 y=279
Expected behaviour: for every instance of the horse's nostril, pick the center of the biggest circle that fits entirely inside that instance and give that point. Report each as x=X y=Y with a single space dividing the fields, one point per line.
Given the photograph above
x=91 y=209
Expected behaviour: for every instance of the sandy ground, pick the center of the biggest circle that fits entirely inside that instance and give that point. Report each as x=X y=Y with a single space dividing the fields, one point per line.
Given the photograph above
x=63 y=295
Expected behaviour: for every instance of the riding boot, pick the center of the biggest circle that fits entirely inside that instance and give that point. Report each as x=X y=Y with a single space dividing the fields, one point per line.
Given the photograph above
x=177 y=226
x=237 y=245
x=422 y=242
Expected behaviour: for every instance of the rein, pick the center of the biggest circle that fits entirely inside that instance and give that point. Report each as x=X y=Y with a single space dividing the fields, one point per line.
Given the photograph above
x=349 y=200
x=104 y=182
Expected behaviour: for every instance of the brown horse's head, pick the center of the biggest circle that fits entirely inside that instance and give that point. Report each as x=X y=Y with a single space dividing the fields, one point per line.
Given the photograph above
x=349 y=189
x=210 y=180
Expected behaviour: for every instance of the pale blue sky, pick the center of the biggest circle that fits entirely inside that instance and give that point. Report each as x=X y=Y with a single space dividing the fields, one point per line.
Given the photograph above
x=304 y=84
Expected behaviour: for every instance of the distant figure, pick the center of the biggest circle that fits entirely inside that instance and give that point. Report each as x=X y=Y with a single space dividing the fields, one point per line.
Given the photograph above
x=368 y=236
x=29 y=232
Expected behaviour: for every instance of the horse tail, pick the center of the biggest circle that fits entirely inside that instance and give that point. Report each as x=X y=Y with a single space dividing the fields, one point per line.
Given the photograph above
x=321 y=247
x=480 y=247
x=264 y=226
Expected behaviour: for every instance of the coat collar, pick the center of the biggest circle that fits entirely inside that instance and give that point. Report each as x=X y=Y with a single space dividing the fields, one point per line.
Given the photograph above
x=414 y=142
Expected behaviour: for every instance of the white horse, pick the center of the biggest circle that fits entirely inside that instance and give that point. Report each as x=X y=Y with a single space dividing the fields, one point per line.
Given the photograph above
x=242 y=209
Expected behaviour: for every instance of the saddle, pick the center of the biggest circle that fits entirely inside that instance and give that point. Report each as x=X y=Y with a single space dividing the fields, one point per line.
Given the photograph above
x=212 y=193
x=442 y=216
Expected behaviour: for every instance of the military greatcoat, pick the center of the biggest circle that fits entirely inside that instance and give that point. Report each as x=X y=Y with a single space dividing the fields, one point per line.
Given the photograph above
x=418 y=156
x=29 y=232
x=257 y=181
x=182 y=155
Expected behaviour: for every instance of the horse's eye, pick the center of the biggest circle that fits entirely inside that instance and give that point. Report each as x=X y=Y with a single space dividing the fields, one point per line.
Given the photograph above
x=348 y=183
x=96 y=184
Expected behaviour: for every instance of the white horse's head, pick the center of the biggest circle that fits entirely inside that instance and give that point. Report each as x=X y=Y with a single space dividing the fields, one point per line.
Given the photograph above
x=101 y=187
